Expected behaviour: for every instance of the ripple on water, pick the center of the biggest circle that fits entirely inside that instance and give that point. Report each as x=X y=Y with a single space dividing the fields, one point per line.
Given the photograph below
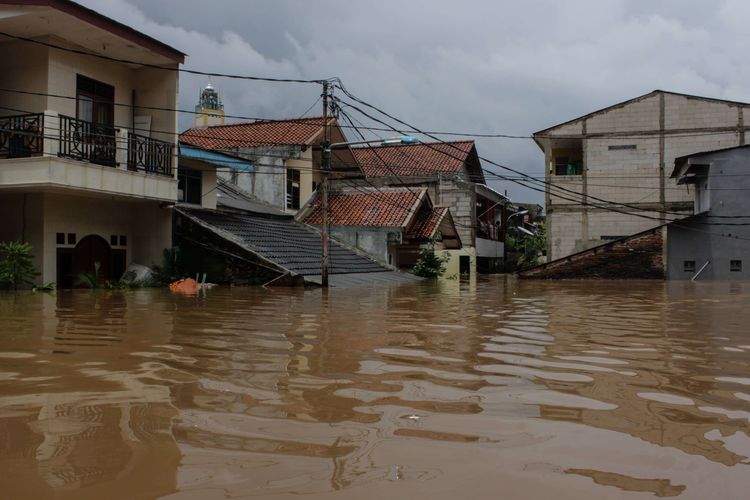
x=663 y=397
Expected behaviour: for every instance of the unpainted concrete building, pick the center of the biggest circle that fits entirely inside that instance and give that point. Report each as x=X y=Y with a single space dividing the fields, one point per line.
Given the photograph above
x=622 y=154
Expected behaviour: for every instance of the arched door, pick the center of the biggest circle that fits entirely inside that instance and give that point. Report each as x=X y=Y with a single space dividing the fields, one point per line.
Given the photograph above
x=87 y=252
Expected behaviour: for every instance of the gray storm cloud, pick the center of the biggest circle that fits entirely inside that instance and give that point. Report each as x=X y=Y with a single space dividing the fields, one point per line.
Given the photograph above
x=477 y=66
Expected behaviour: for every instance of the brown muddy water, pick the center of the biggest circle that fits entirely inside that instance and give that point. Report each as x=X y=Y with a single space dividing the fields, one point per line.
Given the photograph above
x=495 y=389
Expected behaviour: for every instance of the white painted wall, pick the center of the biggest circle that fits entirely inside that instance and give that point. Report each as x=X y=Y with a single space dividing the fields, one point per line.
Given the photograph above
x=148 y=227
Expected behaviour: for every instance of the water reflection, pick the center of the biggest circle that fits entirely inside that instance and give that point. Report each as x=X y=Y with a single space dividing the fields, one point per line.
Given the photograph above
x=419 y=391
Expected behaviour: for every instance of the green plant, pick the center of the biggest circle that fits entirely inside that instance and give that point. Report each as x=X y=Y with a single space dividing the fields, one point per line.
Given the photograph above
x=530 y=247
x=16 y=264
x=91 y=280
x=429 y=264
x=44 y=287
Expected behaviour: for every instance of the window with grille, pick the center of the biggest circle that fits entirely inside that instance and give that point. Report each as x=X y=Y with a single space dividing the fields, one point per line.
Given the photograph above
x=292 y=189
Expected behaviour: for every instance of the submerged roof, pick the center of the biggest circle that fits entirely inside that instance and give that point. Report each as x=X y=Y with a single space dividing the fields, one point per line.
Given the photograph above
x=229 y=196
x=289 y=244
x=421 y=159
x=291 y=132
x=386 y=207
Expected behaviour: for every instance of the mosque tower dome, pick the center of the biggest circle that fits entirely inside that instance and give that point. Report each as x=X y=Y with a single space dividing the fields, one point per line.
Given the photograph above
x=210 y=110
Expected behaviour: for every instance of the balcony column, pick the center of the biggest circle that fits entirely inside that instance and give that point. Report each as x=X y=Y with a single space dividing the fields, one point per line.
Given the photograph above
x=122 y=144
x=51 y=140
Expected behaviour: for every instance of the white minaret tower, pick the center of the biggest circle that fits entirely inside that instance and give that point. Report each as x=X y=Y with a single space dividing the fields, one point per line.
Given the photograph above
x=210 y=110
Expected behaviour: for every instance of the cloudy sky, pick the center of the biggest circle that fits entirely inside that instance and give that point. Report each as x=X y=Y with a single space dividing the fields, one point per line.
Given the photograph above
x=484 y=66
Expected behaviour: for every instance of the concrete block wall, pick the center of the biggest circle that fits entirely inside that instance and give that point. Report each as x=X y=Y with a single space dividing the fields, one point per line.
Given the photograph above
x=460 y=199
x=633 y=176
x=690 y=112
x=632 y=117
x=623 y=175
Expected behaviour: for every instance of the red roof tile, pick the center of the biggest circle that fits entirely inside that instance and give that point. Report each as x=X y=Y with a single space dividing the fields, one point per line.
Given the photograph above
x=383 y=208
x=407 y=160
x=426 y=223
x=293 y=132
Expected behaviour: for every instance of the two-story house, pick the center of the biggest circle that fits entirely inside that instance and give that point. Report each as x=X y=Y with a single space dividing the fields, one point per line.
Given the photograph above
x=452 y=174
x=607 y=172
x=87 y=139
x=390 y=224
x=285 y=153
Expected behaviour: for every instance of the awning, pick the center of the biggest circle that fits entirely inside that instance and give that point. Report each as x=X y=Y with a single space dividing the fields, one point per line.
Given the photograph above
x=216 y=158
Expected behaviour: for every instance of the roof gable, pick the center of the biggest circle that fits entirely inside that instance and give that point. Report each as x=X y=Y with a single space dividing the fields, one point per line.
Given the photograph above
x=633 y=100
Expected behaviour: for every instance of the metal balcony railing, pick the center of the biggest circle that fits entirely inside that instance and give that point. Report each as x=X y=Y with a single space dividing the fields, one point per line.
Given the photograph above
x=21 y=136
x=149 y=155
x=87 y=141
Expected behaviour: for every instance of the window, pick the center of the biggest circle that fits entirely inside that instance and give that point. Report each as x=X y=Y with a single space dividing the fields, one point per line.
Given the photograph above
x=95 y=101
x=60 y=238
x=189 y=186
x=735 y=266
x=612 y=238
x=566 y=166
x=617 y=147
x=689 y=266
x=123 y=240
x=292 y=188
x=113 y=240
x=71 y=238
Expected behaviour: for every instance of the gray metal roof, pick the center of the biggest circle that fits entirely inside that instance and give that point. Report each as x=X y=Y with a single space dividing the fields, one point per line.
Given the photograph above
x=229 y=196
x=289 y=244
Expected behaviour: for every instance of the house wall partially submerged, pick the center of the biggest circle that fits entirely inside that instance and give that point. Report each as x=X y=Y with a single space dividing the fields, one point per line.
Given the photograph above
x=717 y=242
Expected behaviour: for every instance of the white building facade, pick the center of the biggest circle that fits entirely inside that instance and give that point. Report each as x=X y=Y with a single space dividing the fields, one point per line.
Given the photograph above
x=87 y=143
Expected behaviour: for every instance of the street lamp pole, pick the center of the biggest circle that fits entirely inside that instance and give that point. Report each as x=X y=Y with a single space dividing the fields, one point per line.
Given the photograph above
x=325 y=169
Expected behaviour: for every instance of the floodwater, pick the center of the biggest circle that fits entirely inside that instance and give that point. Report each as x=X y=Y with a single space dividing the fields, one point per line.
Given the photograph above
x=494 y=389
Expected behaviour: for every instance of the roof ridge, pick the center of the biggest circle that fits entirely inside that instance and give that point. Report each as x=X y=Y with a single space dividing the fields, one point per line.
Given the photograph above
x=420 y=143
x=254 y=122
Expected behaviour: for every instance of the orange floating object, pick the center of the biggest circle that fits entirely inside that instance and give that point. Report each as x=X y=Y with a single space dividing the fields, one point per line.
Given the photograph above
x=186 y=286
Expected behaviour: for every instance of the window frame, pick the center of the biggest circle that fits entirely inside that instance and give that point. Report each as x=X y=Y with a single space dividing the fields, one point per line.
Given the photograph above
x=187 y=177
x=293 y=192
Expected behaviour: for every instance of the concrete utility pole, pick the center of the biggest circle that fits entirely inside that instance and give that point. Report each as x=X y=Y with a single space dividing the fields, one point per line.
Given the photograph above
x=325 y=168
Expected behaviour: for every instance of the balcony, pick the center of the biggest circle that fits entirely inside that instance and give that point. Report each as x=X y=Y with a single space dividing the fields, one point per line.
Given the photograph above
x=47 y=149
x=23 y=136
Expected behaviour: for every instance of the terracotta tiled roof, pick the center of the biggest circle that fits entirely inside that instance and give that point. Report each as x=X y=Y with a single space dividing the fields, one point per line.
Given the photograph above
x=426 y=223
x=382 y=208
x=293 y=132
x=407 y=160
